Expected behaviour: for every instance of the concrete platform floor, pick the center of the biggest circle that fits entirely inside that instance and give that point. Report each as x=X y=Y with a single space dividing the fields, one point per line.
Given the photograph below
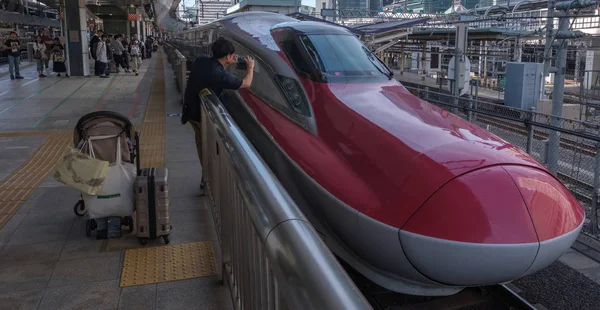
x=24 y=64
x=46 y=260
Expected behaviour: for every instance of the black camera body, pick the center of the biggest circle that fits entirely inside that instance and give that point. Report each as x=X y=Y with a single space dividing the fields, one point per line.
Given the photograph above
x=241 y=63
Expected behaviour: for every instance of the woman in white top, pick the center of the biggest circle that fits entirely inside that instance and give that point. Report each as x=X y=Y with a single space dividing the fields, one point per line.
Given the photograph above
x=102 y=57
x=39 y=54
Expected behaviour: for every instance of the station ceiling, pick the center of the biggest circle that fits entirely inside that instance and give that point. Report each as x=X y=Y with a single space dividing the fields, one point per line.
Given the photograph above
x=114 y=3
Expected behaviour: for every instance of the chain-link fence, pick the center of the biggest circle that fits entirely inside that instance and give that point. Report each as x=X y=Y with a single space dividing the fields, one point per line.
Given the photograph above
x=568 y=148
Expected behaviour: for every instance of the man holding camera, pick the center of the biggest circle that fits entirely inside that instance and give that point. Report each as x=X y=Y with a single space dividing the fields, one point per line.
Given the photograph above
x=210 y=72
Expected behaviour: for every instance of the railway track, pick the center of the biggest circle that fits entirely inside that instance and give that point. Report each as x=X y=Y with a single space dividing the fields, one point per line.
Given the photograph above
x=488 y=297
x=537 y=134
x=566 y=143
x=581 y=190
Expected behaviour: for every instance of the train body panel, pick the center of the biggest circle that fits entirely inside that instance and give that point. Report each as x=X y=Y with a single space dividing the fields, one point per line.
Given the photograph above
x=407 y=193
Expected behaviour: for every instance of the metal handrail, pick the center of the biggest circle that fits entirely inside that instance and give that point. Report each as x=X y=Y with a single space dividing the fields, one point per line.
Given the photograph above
x=181 y=72
x=179 y=63
x=272 y=255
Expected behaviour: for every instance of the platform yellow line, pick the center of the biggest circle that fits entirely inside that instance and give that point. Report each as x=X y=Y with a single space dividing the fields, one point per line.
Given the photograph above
x=152 y=130
x=16 y=188
x=19 y=185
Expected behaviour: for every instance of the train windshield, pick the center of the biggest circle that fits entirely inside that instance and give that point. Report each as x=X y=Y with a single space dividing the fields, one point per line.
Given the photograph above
x=343 y=56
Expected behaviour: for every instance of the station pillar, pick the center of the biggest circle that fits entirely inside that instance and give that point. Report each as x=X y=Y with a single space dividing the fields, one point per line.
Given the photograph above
x=76 y=34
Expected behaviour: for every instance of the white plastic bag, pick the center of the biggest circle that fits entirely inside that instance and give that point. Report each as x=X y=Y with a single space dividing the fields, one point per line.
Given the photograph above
x=116 y=197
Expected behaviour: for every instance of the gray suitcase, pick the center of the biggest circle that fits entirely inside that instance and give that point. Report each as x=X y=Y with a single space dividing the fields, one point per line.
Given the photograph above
x=152 y=204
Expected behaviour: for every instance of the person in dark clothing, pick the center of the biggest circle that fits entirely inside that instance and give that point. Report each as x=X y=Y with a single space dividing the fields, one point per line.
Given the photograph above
x=13 y=45
x=58 y=58
x=118 y=50
x=95 y=39
x=148 y=44
x=126 y=56
x=210 y=72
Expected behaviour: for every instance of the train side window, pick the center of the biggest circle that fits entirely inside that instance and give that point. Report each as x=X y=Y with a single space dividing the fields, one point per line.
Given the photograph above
x=263 y=84
x=266 y=88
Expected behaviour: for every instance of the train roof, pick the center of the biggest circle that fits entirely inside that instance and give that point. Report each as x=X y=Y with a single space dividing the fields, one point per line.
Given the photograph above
x=314 y=27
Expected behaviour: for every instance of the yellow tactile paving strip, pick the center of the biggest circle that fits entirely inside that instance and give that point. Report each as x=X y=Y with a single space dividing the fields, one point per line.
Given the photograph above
x=152 y=130
x=146 y=265
x=168 y=263
x=18 y=186
x=23 y=134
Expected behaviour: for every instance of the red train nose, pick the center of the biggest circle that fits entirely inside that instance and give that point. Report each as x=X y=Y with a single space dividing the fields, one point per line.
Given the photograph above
x=485 y=227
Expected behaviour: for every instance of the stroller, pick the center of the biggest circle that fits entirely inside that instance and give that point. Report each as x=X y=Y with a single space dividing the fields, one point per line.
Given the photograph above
x=106 y=129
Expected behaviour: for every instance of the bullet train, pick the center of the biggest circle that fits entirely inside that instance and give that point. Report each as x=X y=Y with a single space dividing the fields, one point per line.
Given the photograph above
x=415 y=198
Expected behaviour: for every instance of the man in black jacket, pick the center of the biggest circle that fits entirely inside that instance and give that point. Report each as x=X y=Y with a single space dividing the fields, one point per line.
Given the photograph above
x=210 y=72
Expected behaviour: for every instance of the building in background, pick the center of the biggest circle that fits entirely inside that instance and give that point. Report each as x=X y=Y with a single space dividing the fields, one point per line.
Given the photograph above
x=208 y=11
x=431 y=6
x=275 y=6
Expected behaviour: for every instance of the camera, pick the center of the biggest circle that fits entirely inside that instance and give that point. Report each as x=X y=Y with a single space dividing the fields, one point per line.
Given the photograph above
x=241 y=63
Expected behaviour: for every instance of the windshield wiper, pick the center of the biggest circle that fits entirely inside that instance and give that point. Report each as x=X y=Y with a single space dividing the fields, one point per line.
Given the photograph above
x=378 y=64
x=315 y=57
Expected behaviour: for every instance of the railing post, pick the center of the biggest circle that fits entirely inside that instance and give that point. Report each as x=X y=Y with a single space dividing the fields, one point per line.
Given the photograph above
x=530 y=129
x=469 y=109
x=455 y=100
x=545 y=157
x=594 y=216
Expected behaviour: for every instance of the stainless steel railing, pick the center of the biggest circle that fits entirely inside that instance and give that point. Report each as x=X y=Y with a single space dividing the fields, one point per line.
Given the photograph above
x=180 y=68
x=179 y=63
x=272 y=256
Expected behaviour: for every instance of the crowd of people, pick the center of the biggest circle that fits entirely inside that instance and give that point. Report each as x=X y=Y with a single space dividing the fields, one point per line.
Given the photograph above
x=44 y=50
x=126 y=54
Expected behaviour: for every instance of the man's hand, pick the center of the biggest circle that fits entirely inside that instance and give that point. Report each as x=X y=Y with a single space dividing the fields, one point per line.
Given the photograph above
x=249 y=72
x=249 y=62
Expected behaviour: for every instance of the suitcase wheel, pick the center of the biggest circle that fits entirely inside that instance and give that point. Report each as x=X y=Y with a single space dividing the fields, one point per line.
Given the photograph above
x=166 y=239
x=88 y=228
x=144 y=241
x=128 y=221
x=130 y=224
x=79 y=208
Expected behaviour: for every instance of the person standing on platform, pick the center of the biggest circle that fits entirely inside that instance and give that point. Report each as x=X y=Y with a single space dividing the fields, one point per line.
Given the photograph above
x=13 y=45
x=58 y=58
x=211 y=72
x=118 y=49
x=48 y=41
x=102 y=57
x=39 y=54
x=135 y=51
x=126 y=56
x=149 y=47
x=95 y=39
